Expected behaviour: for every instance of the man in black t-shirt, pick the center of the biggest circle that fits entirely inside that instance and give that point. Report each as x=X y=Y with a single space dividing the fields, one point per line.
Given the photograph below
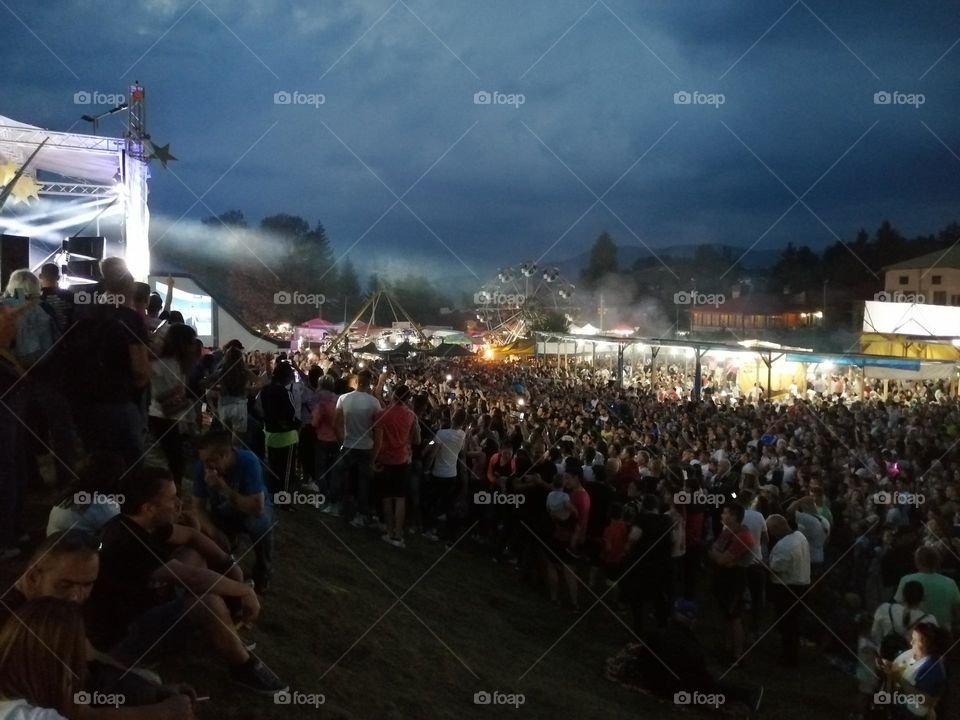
x=108 y=366
x=154 y=573
x=647 y=578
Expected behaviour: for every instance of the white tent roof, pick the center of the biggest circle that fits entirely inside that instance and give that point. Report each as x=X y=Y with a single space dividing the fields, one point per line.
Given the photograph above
x=587 y=329
x=72 y=155
x=911 y=319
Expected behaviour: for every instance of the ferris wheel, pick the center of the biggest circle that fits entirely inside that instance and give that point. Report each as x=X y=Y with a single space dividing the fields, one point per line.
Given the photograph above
x=520 y=298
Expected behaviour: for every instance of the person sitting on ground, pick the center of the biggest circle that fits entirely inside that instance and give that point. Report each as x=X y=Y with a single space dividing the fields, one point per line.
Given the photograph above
x=919 y=673
x=230 y=498
x=671 y=664
x=93 y=500
x=154 y=573
x=65 y=567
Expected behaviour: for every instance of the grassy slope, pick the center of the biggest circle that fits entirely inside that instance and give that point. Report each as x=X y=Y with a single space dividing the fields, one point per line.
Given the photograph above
x=486 y=629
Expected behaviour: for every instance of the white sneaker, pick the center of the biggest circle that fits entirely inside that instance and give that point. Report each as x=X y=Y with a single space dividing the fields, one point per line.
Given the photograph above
x=430 y=535
x=311 y=487
x=357 y=522
x=331 y=509
x=397 y=542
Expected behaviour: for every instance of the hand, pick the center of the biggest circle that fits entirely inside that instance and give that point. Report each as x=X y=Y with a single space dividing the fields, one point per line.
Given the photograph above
x=178 y=707
x=214 y=481
x=250 y=607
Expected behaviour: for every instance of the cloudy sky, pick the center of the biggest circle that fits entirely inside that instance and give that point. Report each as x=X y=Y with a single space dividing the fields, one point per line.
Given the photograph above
x=783 y=137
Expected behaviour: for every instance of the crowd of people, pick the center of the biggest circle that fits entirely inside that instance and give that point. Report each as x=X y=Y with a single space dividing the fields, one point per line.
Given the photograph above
x=830 y=521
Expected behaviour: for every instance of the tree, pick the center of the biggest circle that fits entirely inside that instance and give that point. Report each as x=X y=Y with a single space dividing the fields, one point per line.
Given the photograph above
x=348 y=283
x=603 y=260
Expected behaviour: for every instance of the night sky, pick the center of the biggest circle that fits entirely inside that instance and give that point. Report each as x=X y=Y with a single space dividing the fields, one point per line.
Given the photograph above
x=783 y=142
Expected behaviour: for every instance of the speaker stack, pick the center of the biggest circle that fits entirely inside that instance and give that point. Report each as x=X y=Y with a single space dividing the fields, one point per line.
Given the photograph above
x=14 y=255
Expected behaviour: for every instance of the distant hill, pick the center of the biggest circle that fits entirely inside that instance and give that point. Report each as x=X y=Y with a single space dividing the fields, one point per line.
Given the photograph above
x=756 y=259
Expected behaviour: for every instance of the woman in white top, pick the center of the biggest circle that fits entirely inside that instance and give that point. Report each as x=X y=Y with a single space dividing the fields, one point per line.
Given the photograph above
x=42 y=661
x=171 y=401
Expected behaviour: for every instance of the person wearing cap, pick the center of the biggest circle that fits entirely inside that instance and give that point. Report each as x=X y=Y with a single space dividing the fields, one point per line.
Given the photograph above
x=399 y=431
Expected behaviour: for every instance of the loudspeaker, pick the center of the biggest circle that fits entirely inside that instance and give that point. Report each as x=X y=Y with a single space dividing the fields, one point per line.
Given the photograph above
x=14 y=255
x=87 y=269
x=88 y=248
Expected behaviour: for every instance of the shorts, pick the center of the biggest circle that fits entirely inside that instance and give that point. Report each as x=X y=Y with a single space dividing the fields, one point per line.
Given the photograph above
x=730 y=584
x=391 y=481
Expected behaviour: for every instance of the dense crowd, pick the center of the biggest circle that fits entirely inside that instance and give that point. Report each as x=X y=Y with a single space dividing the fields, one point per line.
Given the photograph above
x=830 y=521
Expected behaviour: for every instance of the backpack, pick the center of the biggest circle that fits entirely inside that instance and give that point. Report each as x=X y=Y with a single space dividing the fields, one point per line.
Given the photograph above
x=894 y=643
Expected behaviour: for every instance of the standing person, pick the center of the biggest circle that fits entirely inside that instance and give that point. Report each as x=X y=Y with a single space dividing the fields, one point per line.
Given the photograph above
x=754 y=521
x=570 y=537
x=108 y=368
x=171 y=404
x=442 y=488
x=400 y=431
x=59 y=301
x=356 y=429
x=235 y=380
x=941 y=597
x=280 y=428
x=789 y=580
x=731 y=553
x=308 y=438
x=327 y=448
x=893 y=622
x=13 y=481
x=647 y=577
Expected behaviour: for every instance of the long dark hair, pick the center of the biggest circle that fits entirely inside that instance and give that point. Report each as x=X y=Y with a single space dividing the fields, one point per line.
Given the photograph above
x=178 y=342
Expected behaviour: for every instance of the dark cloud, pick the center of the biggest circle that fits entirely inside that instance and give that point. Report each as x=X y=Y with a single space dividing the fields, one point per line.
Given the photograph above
x=506 y=183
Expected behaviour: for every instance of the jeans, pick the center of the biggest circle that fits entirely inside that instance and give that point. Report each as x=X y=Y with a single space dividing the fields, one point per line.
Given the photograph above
x=55 y=411
x=281 y=463
x=439 y=496
x=232 y=413
x=356 y=477
x=325 y=454
x=166 y=433
x=260 y=530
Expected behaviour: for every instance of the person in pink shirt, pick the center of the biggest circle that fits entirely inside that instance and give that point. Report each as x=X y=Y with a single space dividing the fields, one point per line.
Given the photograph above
x=399 y=430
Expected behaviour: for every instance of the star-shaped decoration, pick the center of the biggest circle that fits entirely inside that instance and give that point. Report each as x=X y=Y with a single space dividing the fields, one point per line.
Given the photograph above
x=161 y=153
x=25 y=189
x=7 y=171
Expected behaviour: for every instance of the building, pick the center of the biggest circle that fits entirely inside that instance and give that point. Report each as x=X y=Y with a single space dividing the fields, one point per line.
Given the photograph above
x=757 y=315
x=931 y=279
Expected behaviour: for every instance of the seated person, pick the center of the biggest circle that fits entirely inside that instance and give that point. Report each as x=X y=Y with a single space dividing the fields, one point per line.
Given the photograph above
x=154 y=573
x=230 y=498
x=671 y=663
x=43 y=664
x=93 y=500
x=65 y=566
